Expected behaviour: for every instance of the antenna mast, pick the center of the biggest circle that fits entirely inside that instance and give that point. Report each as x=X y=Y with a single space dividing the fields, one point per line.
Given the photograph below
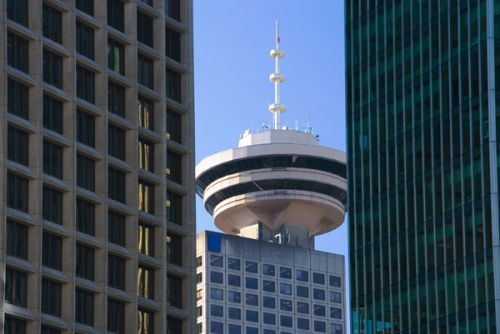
x=277 y=78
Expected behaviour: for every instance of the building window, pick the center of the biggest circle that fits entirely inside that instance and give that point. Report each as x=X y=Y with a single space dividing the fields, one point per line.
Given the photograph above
x=51 y=297
x=173 y=85
x=145 y=29
x=86 y=6
x=84 y=307
x=335 y=313
x=173 y=9
x=146 y=155
x=17 y=240
x=335 y=297
x=233 y=264
x=252 y=299
x=336 y=329
x=174 y=126
x=268 y=286
x=52 y=114
x=174 y=249
x=174 y=167
x=52 y=24
x=234 y=280
x=85 y=217
x=116 y=142
x=251 y=267
x=319 y=326
x=302 y=275
x=52 y=205
x=116 y=99
x=145 y=71
x=303 y=323
x=251 y=283
x=84 y=40
x=116 y=272
x=85 y=172
x=52 y=159
x=254 y=330
x=199 y=261
x=145 y=282
x=216 y=294
x=319 y=310
x=174 y=208
x=17 y=145
x=145 y=108
x=50 y=330
x=216 y=261
x=216 y=310
x=216 y=277
x=85 y=262
x=286 y=321
x=17 y=52
x=116 y=226
x=116 y=316
x=16 y=287
x=52 y=68
x=85 y=128
x=146 y=239
x=17 y=192
x=146 y=197
x=319 y=294
x=269 y=318
x=199 y=278
x=85 y=84
x=285 y=289
x=252 y=316
x=52 y=251
x=174 y=291
x=116 y=56
x=116 y=185
x=302 y=291
x=268 y=269
x=285 y=305
x=319 y=278
x=17 y=99
x=13 y=325
x=17 y=10
x=302 y=308
x=172 y=44
x=269 y=302
x=116 y=14
x=234 y=313
x=145 y=322
x=234 y=297
x=174 y=325
x=335 y=281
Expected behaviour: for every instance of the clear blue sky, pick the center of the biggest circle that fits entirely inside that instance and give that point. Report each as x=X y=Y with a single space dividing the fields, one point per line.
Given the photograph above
x=232 y=39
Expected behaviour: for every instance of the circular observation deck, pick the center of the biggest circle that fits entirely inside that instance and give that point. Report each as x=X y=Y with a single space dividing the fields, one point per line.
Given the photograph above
x=275 y=177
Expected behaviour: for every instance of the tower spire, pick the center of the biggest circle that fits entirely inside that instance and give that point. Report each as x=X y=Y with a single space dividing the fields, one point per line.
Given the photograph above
x=276 y=108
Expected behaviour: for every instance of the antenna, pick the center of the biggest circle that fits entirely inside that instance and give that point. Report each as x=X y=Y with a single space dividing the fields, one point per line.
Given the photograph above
x=277 y=78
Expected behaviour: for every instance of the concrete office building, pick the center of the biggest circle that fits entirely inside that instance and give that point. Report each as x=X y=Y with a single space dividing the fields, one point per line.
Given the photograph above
x=422 y=119
x=271 y=195
x=97 y=227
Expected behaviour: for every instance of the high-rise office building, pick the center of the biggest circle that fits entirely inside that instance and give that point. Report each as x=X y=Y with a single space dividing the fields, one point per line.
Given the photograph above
x=272 y=195
x=422 y=164
x=97 y=227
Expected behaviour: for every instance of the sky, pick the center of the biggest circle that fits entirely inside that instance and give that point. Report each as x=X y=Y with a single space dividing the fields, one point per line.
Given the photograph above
x=232 y=39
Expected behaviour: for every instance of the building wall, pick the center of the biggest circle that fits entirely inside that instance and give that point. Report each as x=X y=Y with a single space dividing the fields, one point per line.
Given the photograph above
x=161 y=136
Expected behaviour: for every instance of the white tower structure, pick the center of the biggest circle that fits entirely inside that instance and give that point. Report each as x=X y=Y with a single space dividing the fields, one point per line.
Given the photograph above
x=277 y=79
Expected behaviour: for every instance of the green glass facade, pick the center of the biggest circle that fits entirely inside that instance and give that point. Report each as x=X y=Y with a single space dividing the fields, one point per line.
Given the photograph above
x=422 y=113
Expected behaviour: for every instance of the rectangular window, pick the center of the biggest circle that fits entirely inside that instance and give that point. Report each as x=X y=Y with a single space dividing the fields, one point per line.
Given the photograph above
x=319 y=278
x=17 y=10
x=52 y=114
x=17 y=52
x=216 y=261
x=236 y=329
x=85 y=217
x=319 y=310
x=146 y=239
x=145 y=29
x=84 y=307
x=52 y=23
x=268 y=302
x=174 y=167
x=85 y=260
x=52 y=205
x=145 y=108
x=145 y=71
x=233 y=280
x=17 y=99
x=116 y=316
x=116 y=185
x=234 y=264
x=116 y=56
x=319 y=294
x=285 y=305
x=116 y=142
x=302 y=291
x=85 y=128
x=17 y=145
x=116 y=272
x=216 y=277
x=319 y=326
x=252 y=299
x=251 y=283
x=335 y=313
x=17 y=192
x=145 y=282
x=336 y=329
x=85 y=172
x=116 y=14
x=302 y=276
x=116 y=99
x=52 y=251
x=234 y=296
x=16 y=287
x=174 y=249
x=216 y=310
x=335 y=281
x=216 y=294
x=50 y=330
x=335 y=297
x=268 y=269
x=268 y=286
x=51 y=297
x=174 y=126
x=14 y=325
x=86 y=6
x=84 y=40
x=116 y=226
x=145 y=323
x=85 y=84
x=172 y=44
x=17 y=240
x=52 y=69
x=251 y=267
x=285 y=288
x=146 y=155
x=302 y=308
x=173 y=9
x=146 y=197
x=174 y=208
x=173 y=85
x=234 y=313
x=52 y=159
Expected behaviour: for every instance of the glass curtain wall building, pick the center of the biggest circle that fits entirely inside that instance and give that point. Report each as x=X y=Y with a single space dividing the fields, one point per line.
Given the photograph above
x=422 y=164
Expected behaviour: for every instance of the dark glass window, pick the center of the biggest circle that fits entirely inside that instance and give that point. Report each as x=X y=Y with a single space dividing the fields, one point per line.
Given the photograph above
x=269 y=302
x=52 y=159
x=216 y=294
x=145 y=29
x=51 y=297
x=216 y=327
x=319 y=326
x=146 y=239
x=235 y=329
x=336 y=329
x=319 y=310
x=285 y=288
x=116 y=56
x=13 y=325
x=85 y=172
x=148 y=2
x=85 y=216
x=216 y=310
x=286 y=305
x=85 y=84
x=146 y=197
x=146 y=155
x=116 y=142
x=173 y=9
x=86 y=6
x=251 y=283
x=52 y=205
x=302 y=308
x=17 y=239
x=252 y=299
x=52 y=23
x=303 y=323
x=319 y=294
x=216 y=261
x=116 y=99
x=84 y=40
x=286 y=321
x=268 y=269
x=145 y=71
x=84 y=307
x=16 y=287
x=17 y=148
x=269 y=318
x=50 y=330
x=52 y=114
x=116 y=185
x=268 y=286
x=18 y=99
x=85 y=260
x=302 y=291
x=335 y=297
x=145 y=108
x=234 y=313
x=52 y=68
x=302 y=276
x=145 y=282
x=172 y=44
x=116 y=225
x=17 y=52
x=319 y=278
x=234 y=264
x=116 y=272
x=17 y=10
x=85 y=128
x=234 y=280
x=251 y=267
x=174 y=167
x=116 y=316
x=335 y=281
x=174 y=126
x=17 y=192
x=335 y=313
x=173 y=85
x=146 y=322
x=252 y=316
x=174 y=249
x=52 y=251
x=234 y=296
x=174 y=325
x=174 y=208
x=216 y=277
x=116 y=14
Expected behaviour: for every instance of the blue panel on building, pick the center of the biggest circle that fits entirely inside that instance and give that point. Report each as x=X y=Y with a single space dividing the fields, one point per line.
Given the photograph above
x=214 y=243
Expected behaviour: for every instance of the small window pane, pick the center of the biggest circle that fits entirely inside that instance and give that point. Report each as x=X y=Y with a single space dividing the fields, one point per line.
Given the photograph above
x=52 y=114
x=17 y=145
